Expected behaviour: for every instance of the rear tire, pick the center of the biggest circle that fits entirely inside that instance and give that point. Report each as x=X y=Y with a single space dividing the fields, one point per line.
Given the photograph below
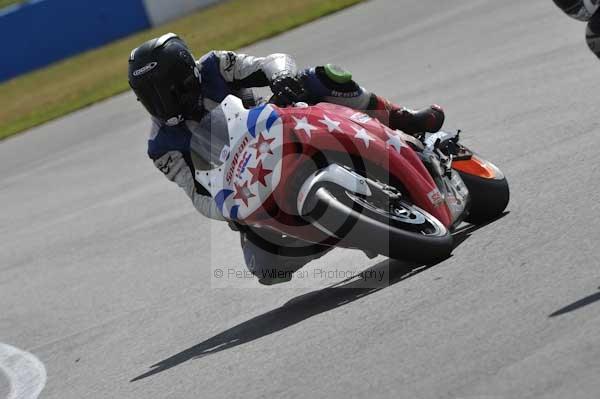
x=358 y=226
x=489 y=198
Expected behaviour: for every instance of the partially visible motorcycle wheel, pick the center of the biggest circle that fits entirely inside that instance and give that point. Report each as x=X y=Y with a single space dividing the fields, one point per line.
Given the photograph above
x=488 y=189
x=394 y=228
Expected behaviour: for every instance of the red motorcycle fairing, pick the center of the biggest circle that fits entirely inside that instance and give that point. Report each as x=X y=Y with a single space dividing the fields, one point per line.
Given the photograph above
x=332 y=128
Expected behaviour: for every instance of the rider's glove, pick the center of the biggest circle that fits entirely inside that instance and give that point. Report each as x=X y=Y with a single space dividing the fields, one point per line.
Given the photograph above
x=172 y=164
x=287 y=88
x=233 y=225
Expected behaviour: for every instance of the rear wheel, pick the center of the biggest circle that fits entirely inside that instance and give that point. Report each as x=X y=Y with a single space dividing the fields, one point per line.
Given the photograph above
x=489 y=198
x=385 y=223
x=488 y=189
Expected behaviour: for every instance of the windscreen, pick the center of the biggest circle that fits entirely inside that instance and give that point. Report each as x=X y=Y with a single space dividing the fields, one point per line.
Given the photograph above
x=208 y=139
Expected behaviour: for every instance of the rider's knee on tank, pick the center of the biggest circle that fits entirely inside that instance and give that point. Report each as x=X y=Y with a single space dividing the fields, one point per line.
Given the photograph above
x=592 y=34
x=330 y=81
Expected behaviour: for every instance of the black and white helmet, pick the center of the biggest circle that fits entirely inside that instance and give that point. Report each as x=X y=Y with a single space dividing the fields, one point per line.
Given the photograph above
x=582 y=10
x=164 y=76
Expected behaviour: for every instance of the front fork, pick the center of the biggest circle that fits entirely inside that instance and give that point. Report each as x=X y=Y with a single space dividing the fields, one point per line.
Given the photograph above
x=332 y=174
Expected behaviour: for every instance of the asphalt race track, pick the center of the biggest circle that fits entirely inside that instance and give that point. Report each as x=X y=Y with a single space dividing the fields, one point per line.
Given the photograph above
x=106 y=268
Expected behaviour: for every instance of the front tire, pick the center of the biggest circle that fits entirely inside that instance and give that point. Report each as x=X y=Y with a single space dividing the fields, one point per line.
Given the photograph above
x=415 y=235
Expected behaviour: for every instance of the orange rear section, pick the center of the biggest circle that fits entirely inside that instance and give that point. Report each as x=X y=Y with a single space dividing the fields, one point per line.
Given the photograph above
x=476 y=167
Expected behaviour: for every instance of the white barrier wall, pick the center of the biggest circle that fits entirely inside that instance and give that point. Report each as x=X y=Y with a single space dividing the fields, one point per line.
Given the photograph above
x=161 y=11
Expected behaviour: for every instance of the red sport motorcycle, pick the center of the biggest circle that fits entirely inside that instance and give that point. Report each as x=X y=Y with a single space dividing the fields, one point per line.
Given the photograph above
x=331 y=175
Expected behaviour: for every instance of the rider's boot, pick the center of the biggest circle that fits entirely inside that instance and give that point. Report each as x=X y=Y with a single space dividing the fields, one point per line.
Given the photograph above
x=428 y=119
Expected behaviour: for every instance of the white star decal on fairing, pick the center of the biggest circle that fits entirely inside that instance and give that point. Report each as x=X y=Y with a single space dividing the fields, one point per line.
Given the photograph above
x=395 y=141
x=302 y=124
x=331 y=124
x=363 y=135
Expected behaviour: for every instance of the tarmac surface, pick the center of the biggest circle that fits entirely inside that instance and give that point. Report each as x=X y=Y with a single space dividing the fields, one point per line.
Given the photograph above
x=106 y=269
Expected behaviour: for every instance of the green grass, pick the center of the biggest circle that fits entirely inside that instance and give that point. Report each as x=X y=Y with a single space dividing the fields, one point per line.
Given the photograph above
x=5 y=3
x=43 y=95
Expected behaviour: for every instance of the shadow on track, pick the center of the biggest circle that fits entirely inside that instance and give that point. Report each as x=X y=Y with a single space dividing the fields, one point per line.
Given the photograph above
x=302 y=307
x=588 y=300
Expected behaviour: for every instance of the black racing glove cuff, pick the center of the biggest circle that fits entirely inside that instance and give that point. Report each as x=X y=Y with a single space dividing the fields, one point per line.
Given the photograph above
x=287 y=88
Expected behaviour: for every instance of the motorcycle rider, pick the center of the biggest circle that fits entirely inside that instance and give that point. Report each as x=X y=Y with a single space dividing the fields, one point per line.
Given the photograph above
x=587 y=11
x=177 y=90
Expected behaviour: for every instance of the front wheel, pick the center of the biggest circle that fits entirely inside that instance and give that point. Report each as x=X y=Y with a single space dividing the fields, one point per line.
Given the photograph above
x=388 y=226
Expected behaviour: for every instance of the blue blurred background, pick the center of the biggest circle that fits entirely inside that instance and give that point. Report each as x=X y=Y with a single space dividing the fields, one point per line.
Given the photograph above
x=44 y=31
